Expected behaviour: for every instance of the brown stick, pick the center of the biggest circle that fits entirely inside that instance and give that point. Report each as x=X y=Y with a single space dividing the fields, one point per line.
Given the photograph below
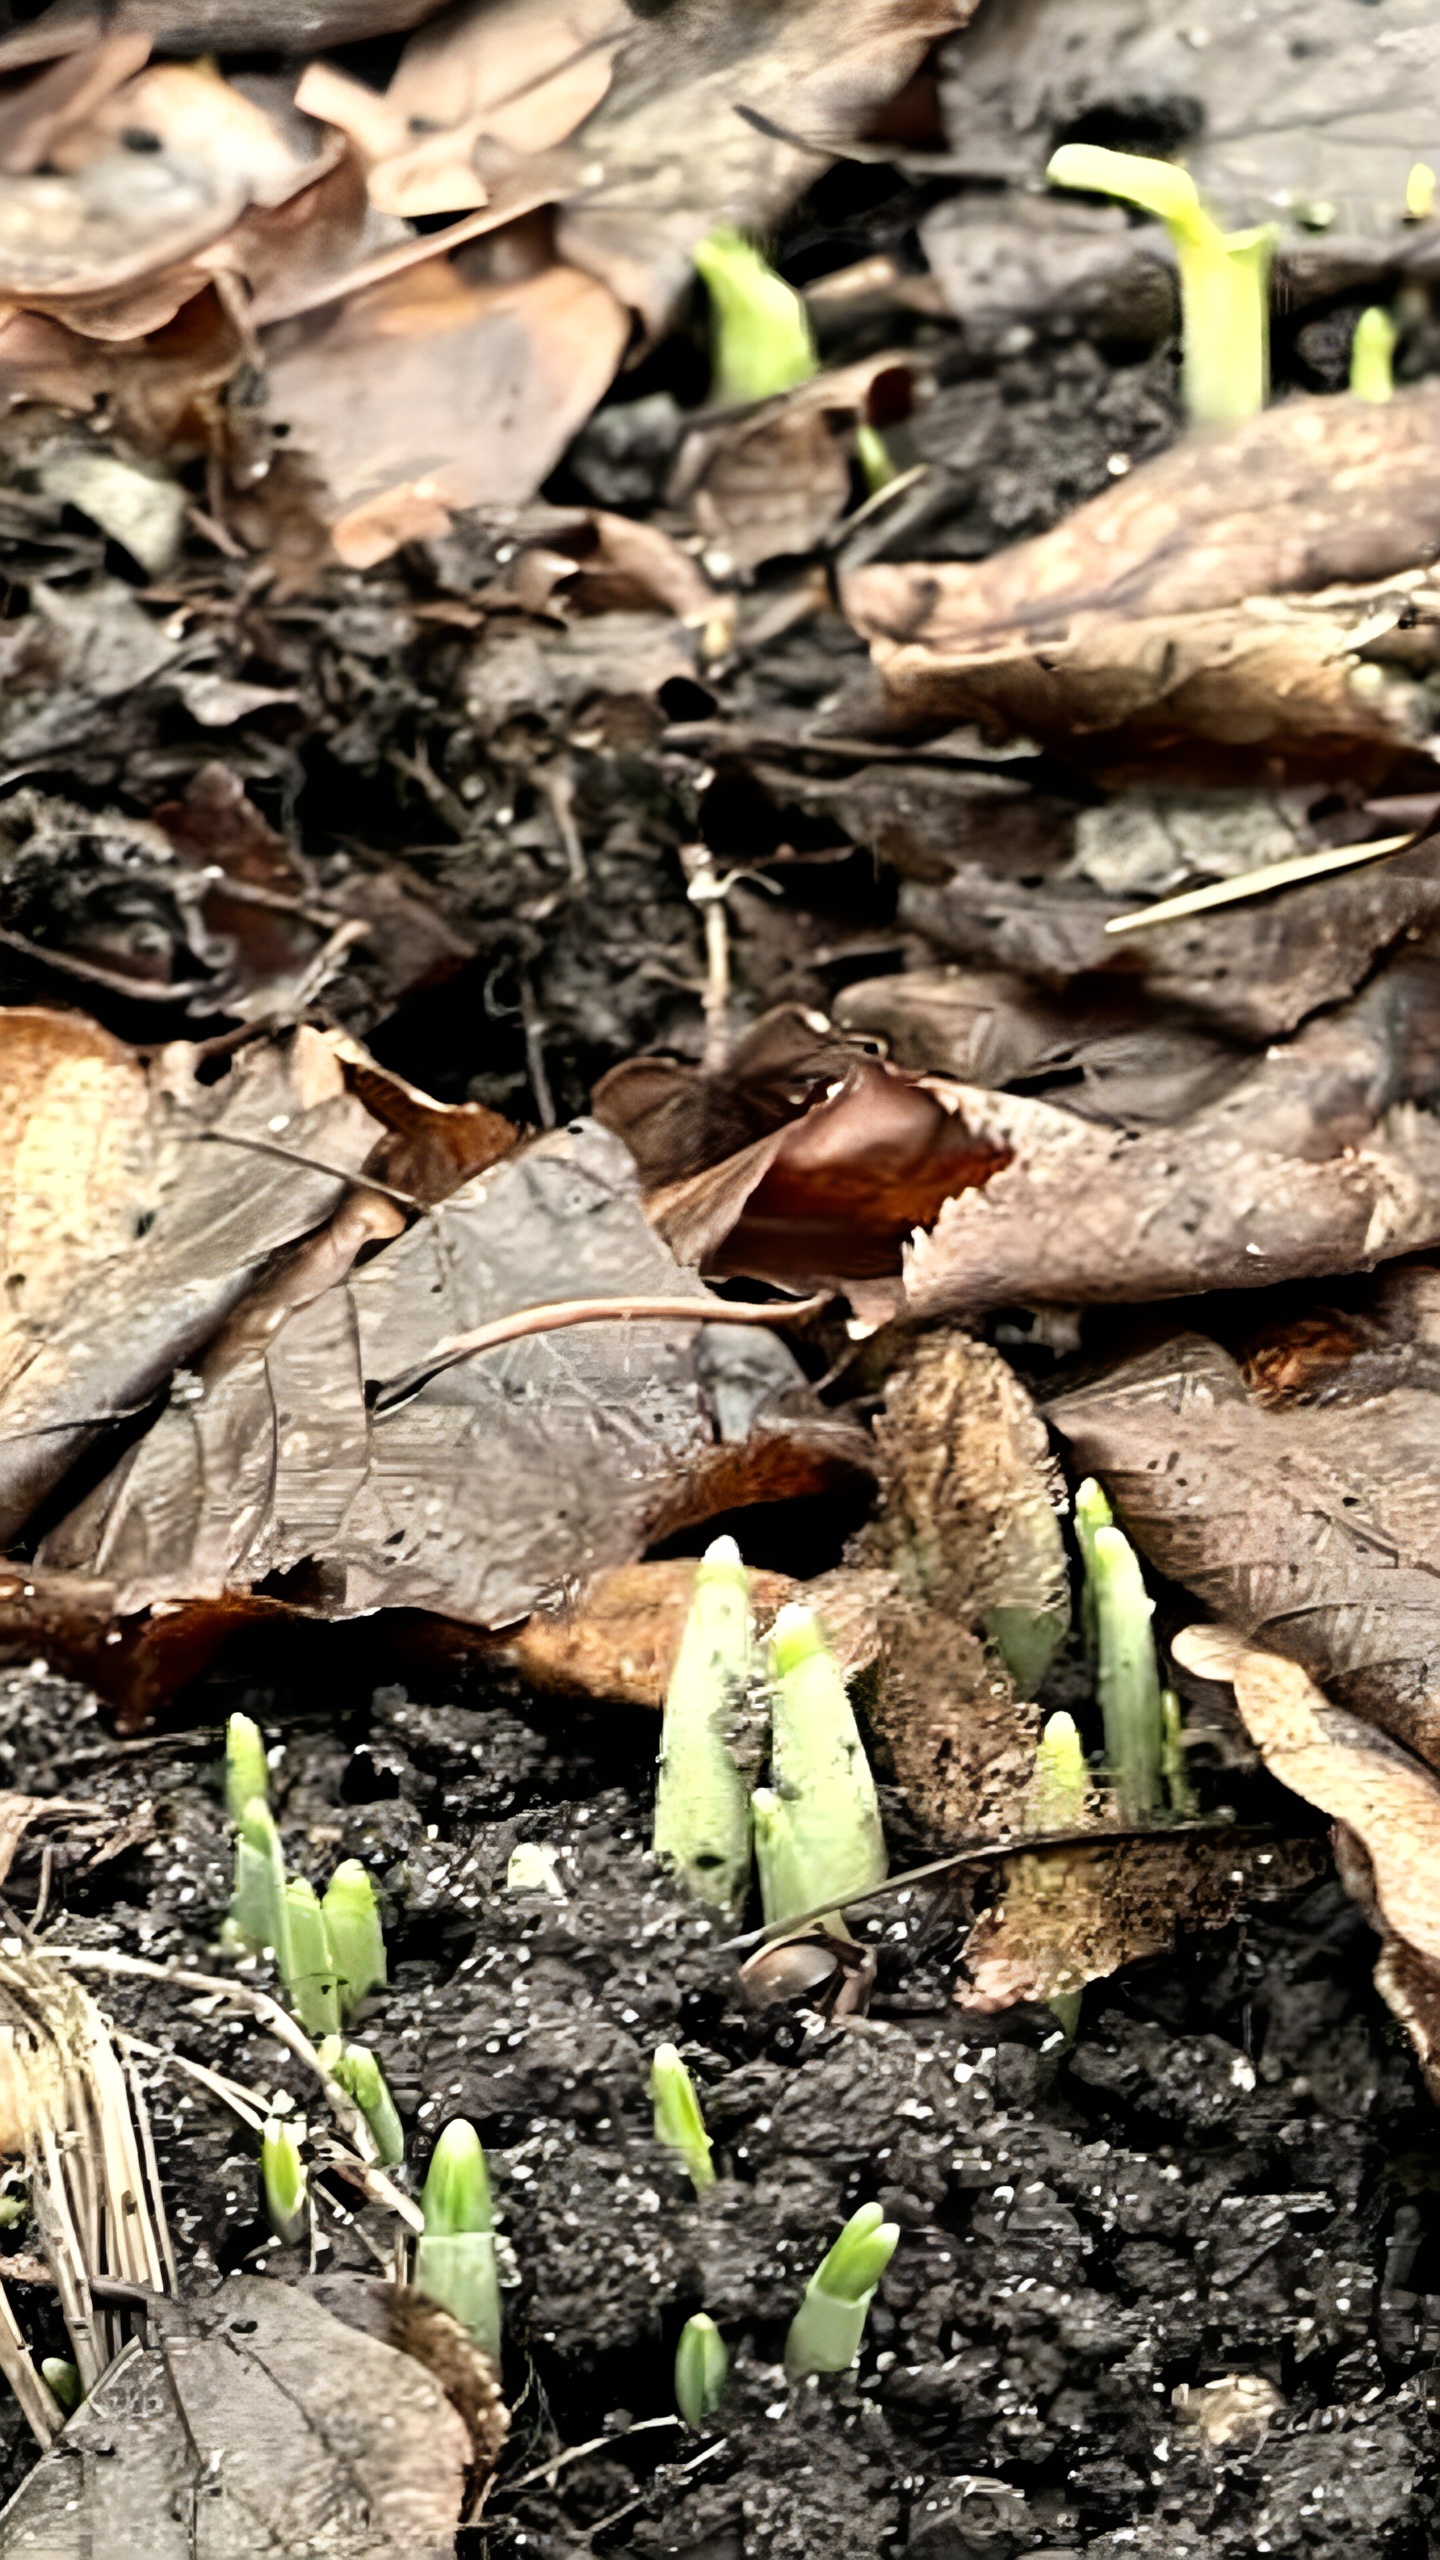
x=389 y=1392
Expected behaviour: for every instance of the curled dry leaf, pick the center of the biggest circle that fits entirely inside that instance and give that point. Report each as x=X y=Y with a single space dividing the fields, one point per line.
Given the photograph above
x=365 y=2457
x=807 y=1158
x=968 y=1530
x=1385 y=1800
x=776 y=477
x=1311 y=1527
x=541 y=1461
x=1216 y=592
x=1077 y=1915
x=1319 y=1159
x=618 y=1637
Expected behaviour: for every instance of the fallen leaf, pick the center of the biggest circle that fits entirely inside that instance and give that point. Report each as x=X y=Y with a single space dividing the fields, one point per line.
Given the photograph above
x=543 y=1461
x=1078 y=1915
x=208 y=25
x=364 y=2456
x=806 y=1156
x=618 y=1637
x=1312 y=1527
x=967 y=1530
x=775 y=477
x=1384 y=1800
x=1216 y=591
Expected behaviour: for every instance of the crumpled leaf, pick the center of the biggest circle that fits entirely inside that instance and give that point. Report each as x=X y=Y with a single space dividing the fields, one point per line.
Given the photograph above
x=253 y=2421
x=776 y=476
x=1321 y=1158
x=1312 y=1527
x=967 y=1528
x=129 y=1240
x=806 y=1158
x=1385 y=1801
x=502 y=1479
x=1078 y=1915
x=1214 y=592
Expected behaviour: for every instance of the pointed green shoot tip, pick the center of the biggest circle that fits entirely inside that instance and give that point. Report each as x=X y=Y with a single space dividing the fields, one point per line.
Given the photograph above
x=357 y=1941
x=1127 y=1679
x=826 y=2331
x=760 y=330
x=258 y=1917
x=818 y=1833
x=702 y=1817
x=455 y=2256
x=679 y=2123
x=702 y=2369
x=1055 y=1800
x=283 y=2177
x=247 y=1770
x=358 y=2073
x=794 y=1638
x=309 y=1969
x=1372 y=353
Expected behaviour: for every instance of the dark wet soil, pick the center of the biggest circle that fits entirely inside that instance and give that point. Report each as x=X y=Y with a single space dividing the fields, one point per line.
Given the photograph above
x=1169 y=2291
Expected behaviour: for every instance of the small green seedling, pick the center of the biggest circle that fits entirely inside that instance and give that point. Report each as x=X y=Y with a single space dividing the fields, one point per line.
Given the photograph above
x=702 y=1817
x=258 y=1918
x=356 y=1939
x=817 y=1829
x=309 y=1974
x=359 y=2074
x=247 y=1770
x=1092 y=1512
x=1127 y=1676
x=1055 y=1799
x=455 y=2255
x=1224 y=277
x=63 y=2379
x=760 y=330
x=283 y=2177
x=702 y=2369
x=1372 y=356
x=826 y=2331
x=1420 y=193
x=679 y=2123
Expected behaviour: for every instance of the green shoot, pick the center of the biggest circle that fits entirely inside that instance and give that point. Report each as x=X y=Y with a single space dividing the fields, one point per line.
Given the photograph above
x=1420 y=193
x=1172 y=1756
x=247 y=1771
x=817 y=1832
x=1224 y=278
x=309 y=1971
x=760 y=329
x=532 y=1869
x=258 y=1918
x=826 y=2331
x=873 y=455
x=702 y=2369
x=282 y=2174
x=1055 y=1800
x=357 y=1942
x=1372 y=353
x=455 y=2255
x=361 y=2078
x=63 y=2379
x=1127 y=1678
x=1092 y=1512
x=702 y=1819
x=679 y=2123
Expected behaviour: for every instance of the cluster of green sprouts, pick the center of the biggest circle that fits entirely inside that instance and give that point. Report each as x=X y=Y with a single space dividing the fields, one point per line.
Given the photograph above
x=814 y=1832
x=826 y=2333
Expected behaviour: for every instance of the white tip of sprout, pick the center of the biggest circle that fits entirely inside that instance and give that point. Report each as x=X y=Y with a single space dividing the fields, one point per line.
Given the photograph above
x=723 y=1551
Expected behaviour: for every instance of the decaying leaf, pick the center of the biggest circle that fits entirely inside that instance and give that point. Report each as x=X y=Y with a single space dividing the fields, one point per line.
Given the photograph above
x=775 y=477
x=1386 y=1801
x=1314 y=1528
x=967 y=1527
x=806 y=1159
x=1078 y=1915
x=503 y=1478
x=617 y=1638
x=364 y=2458
x=1321 y=1158
x=1215 y=592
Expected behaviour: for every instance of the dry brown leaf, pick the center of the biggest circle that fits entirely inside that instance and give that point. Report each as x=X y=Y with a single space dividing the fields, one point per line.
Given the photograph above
x=32 y=116
x=618 y=1637
x=1215 y=592
x=429 y=393
x=1384 y=1800
x=1078 y=1915
x=775 y=477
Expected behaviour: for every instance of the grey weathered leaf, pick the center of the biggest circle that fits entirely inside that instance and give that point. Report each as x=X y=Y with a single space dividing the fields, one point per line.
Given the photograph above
x=255 y=2422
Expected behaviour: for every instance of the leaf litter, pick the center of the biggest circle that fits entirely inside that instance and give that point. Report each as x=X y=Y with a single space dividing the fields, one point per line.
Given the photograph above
x=548 y=772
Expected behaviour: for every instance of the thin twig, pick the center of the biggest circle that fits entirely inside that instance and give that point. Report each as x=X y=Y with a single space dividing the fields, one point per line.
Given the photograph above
x=578 y=2453
x=707 y=891
x=1026 y=1844
x=1256 y=884
x=387 y=1393
x=311 y=1164
x=139 y=2108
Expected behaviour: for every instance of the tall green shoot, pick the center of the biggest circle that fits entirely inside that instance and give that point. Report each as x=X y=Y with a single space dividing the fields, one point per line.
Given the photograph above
x=818 y=1836
x=760 y=329
x=702 y=1814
